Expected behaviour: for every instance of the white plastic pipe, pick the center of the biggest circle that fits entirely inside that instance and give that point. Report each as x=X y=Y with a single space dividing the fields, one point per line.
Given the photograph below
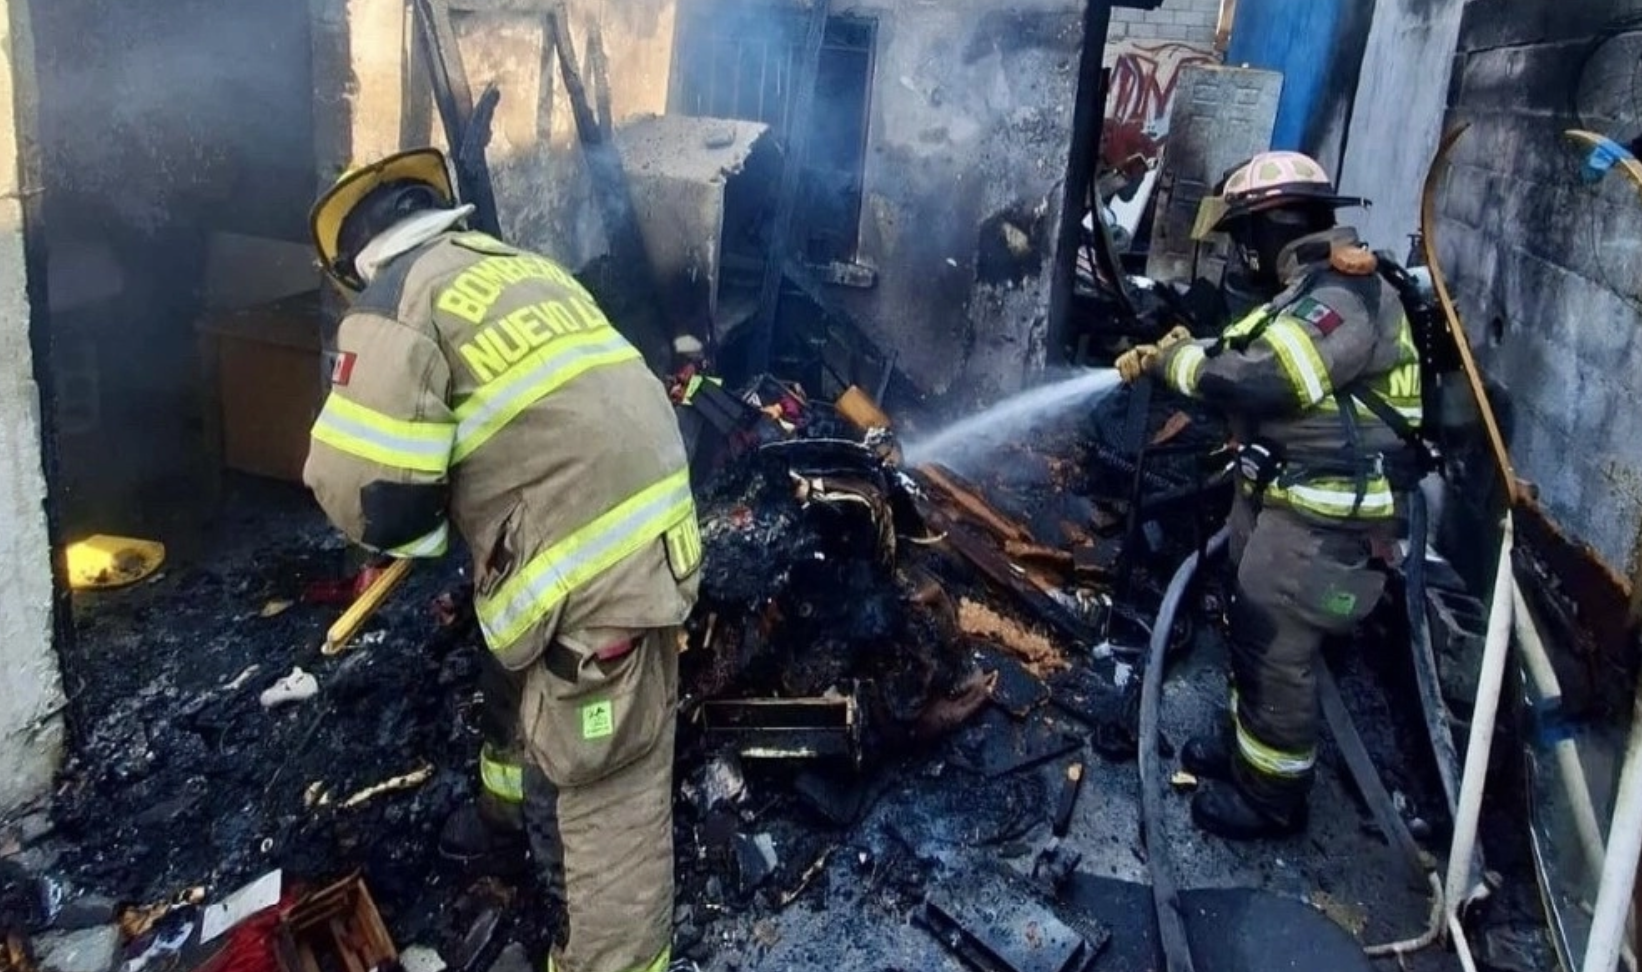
x=1462 y=947
x=1540 y=671
x=1481 y=742
x=1613 y=898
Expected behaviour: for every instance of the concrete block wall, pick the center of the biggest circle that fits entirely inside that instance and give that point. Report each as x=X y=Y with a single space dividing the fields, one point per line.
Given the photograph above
x=1547 y=270
x=31 y=729
x=1188 y=21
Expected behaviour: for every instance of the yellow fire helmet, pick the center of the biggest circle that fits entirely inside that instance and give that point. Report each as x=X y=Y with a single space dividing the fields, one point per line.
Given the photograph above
x=426 y=165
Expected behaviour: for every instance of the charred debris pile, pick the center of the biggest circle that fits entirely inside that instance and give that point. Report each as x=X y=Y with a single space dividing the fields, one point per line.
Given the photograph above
x=871 y=632
x=865 y=629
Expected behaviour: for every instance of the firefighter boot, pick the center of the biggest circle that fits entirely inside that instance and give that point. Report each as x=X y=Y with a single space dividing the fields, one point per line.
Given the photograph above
x=493 y=825
x=486 y=827
x=1208 y=756
x=1223 y=810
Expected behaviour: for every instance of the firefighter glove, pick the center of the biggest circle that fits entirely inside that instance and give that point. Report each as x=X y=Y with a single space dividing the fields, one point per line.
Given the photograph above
x=1177 y=335
x=1137 y=361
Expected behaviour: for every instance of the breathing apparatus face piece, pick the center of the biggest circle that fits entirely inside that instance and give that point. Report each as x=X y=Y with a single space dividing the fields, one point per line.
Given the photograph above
x=381 y=208
x=1261 y=237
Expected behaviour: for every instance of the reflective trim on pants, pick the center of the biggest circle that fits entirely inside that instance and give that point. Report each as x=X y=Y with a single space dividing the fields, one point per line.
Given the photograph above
x=661 y=963
x=1269 y=759
x=501 y=779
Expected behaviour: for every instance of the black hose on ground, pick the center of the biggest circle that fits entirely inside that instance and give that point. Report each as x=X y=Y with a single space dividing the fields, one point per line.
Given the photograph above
x=1432 y=705
x=1171 y=926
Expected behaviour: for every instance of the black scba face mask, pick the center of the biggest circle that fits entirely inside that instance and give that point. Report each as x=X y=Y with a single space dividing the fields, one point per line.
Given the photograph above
x=1262 y=237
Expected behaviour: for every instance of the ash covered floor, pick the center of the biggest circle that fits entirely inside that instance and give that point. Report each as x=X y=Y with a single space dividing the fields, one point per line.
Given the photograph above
x=180 y=778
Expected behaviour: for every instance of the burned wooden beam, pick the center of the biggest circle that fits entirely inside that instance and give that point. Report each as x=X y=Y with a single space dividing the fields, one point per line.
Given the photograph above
x=1037 y=554
x=968 y=500
x=996 y=567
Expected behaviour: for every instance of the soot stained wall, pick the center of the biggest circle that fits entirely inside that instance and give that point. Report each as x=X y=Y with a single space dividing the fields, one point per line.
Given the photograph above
x=162 y=126
x=969 y=134
x=1546 y=268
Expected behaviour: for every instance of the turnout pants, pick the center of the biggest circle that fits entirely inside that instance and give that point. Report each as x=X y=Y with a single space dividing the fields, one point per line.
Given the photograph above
x=1297 y=581
x=599 y=731
x=501 y=756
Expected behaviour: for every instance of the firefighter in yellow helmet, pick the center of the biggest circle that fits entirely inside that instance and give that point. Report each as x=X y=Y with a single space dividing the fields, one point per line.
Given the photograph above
x=1321 y=384
x=478 y=386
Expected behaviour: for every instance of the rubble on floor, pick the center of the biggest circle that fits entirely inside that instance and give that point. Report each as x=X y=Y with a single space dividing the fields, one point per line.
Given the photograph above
x=892 y=685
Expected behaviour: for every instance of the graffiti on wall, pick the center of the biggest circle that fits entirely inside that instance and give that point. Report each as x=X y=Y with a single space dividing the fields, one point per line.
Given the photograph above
x=1144 y=76
x=1143 y=81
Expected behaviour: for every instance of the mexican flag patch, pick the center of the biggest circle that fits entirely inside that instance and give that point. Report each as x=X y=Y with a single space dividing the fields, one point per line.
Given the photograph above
x=1318 y=314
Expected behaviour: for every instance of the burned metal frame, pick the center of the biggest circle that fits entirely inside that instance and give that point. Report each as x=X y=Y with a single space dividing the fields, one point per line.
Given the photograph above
x=1088 y=125
x=807 y=728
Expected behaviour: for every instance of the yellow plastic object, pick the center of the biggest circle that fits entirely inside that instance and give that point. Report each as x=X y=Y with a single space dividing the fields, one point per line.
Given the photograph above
x=347 y=626
x=102 y=562
x=857 y=406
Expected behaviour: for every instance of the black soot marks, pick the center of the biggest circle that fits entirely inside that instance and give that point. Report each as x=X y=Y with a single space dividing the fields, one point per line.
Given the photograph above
x=1011 y=247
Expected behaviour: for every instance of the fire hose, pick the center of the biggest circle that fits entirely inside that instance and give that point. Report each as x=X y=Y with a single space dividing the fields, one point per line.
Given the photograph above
x=1171 y=925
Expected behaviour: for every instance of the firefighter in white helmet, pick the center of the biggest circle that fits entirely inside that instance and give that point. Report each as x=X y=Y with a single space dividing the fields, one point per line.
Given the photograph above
x=1321 y=384
x=479 y=386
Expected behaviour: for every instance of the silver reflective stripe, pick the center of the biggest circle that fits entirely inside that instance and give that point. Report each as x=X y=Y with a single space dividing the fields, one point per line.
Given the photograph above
x=553 y=578
x=356 y=437
x=433 y=544
x=1302 y=357
x=1273 y=762
x=1376 y=499
x=1183 y=370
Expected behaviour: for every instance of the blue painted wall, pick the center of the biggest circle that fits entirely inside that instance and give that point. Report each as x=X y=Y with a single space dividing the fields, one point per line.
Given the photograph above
x=1318 y=46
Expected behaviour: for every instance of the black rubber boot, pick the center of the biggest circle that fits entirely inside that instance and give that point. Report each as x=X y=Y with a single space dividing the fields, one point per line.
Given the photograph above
x=1208 y=756
x=466 y=836
x=1223 y=811
x=483 y=836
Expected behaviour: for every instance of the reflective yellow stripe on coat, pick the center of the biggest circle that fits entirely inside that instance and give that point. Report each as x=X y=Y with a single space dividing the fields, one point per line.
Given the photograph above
x=433 y=544
x=1300 y=361
x=544 y=583
x=1336 y=498
x=378 y=437
x=489 y=410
